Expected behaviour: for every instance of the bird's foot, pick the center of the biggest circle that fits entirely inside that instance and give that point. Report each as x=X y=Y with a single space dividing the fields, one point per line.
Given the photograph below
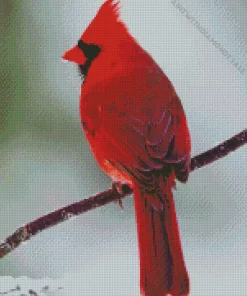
x=119 y=187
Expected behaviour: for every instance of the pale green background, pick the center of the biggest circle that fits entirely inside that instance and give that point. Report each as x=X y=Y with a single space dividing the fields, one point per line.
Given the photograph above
x=45 y=162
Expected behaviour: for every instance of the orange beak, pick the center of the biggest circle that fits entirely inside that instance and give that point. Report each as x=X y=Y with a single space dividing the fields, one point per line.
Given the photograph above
x=75 y=55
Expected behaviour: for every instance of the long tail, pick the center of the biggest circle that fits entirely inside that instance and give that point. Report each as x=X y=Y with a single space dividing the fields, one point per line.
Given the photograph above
x=162 y=266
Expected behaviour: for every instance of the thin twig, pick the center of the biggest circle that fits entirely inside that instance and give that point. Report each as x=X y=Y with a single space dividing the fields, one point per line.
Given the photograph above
x=26 y=232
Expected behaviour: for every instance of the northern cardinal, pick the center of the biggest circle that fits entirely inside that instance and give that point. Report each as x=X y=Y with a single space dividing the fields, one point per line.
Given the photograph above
x=137 y=130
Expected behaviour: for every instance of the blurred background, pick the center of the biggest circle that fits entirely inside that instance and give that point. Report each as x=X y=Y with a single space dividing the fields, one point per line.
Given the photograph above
x=45 y=162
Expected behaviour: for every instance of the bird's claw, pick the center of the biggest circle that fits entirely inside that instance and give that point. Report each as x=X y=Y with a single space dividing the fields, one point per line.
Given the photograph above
x=118 y=186
x=120 y=203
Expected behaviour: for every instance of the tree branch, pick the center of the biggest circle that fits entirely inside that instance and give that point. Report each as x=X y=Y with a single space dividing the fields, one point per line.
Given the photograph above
x=27 y=231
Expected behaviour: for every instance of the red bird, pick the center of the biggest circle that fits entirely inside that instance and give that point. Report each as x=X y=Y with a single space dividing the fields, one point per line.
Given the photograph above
x=137 y=130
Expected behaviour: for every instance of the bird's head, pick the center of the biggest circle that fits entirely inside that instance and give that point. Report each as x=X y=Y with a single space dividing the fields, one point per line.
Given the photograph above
x=106 y=34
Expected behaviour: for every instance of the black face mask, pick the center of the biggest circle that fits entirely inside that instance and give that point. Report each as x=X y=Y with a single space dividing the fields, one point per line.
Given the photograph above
x=91 y=51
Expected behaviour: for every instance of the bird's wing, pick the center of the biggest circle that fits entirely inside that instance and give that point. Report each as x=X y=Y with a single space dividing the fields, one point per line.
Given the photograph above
x=144 y=120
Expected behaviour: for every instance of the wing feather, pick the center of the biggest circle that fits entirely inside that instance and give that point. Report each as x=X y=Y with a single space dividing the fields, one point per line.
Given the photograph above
x=146 y=127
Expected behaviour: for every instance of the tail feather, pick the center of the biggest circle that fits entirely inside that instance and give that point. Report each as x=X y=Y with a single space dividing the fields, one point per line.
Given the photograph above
x=162 y=266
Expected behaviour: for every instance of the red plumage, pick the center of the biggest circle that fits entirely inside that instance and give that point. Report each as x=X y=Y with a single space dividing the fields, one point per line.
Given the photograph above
x=136 y=127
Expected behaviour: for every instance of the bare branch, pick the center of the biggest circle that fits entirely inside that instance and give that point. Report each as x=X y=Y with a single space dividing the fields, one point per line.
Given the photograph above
x=219 y=151
x=26 y=232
